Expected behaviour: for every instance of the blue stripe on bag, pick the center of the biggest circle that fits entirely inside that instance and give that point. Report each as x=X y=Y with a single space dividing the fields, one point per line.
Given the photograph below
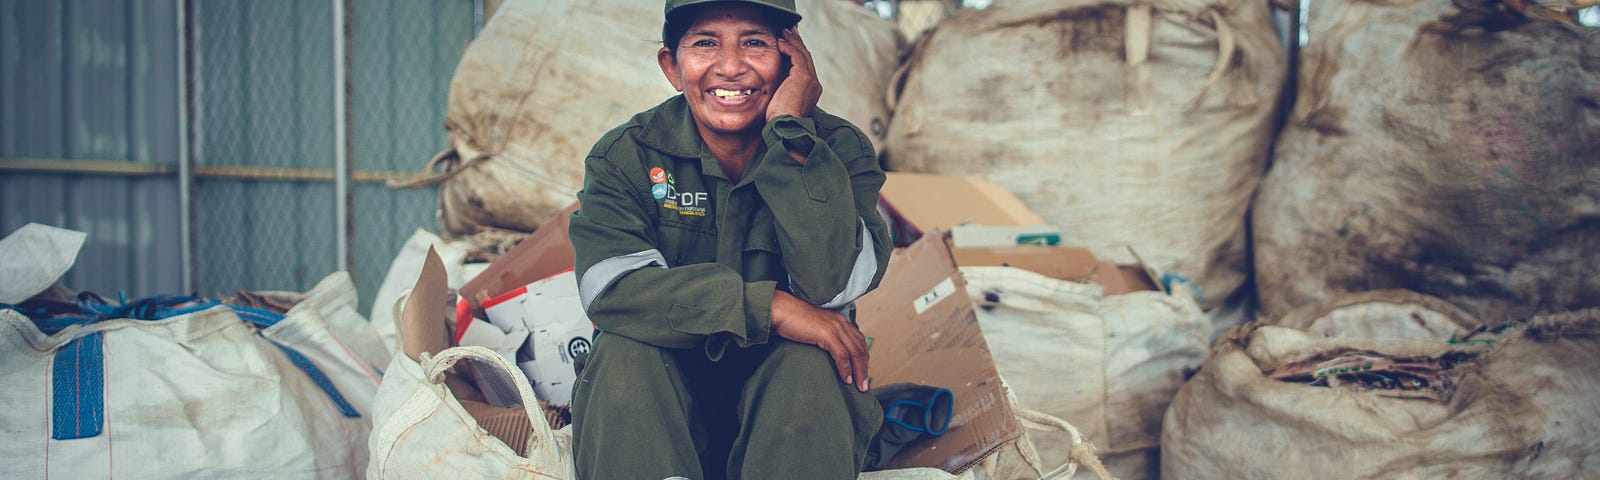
x=78 y=388
x=319 y=378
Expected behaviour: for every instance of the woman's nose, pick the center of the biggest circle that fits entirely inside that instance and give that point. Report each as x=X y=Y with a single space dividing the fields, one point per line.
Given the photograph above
x=730 y=62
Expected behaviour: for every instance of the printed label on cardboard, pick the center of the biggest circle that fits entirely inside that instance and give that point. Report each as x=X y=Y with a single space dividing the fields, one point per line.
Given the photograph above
x=939 y=292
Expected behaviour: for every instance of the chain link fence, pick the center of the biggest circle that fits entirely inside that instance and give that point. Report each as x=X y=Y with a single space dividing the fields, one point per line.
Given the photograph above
x=264 y=140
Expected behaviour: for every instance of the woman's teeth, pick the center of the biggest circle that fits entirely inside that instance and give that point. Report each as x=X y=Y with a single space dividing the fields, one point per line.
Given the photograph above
x=731 y=93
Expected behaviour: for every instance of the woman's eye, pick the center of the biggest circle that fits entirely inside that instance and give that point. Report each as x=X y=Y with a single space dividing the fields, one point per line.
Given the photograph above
x=755 y=42
x=704 y=43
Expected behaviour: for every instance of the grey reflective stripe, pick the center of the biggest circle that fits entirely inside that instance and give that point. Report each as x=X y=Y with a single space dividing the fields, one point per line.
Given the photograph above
x=600 y=276
x=860 y=275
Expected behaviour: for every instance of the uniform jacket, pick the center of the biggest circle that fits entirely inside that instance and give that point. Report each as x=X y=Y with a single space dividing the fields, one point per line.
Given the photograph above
x=672 y=253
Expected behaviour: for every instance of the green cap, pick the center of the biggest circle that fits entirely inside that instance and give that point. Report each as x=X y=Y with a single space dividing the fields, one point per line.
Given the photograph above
x=785 y=8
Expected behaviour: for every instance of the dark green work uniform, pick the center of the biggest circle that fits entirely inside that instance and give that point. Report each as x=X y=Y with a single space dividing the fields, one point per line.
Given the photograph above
x=677 y=266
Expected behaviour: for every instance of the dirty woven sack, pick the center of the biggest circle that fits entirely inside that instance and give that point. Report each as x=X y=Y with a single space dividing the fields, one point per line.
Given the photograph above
x=547 y=78
x=203 y=390
x=1445 y=147
x=1513 y=404
x=1107 y=364
x=1134 y=123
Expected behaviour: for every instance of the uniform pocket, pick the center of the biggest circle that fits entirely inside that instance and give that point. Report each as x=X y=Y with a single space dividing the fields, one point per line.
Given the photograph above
x=763 y=257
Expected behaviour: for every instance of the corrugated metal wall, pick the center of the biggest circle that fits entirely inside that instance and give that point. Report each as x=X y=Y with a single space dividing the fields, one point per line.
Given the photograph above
x=97 y=80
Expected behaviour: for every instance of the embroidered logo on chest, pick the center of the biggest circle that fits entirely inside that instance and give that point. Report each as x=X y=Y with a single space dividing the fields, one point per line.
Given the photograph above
x=664 y=187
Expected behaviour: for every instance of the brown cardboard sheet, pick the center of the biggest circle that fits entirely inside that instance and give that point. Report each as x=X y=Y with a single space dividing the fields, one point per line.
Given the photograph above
x=924 y=331
x=546 y=252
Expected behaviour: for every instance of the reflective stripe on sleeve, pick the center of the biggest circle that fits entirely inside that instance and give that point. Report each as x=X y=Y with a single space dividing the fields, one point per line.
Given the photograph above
x=860 y=275
x=602 y=274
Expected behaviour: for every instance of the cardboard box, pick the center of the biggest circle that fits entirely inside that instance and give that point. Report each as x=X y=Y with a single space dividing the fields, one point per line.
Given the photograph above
x=924 y=331
x=548 y=251
x=919 y=202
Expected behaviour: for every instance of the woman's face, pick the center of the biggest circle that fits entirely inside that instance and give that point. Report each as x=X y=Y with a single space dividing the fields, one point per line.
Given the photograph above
x=727 y=66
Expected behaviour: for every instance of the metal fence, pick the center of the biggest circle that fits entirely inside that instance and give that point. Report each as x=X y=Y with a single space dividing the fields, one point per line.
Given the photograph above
x=119 y=116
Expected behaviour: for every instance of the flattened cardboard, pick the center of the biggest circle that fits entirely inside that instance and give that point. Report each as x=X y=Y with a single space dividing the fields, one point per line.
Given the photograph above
x=423 y=321
x=941 y=346
x=548 y=251
x=921 y=202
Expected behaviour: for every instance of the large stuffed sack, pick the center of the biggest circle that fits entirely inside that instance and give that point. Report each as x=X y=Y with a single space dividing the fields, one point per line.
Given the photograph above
x=1141 y=123
x=213 y=391
x=546 y=78
x=1273 y=401
x=1107 y=364
x=1443 y=147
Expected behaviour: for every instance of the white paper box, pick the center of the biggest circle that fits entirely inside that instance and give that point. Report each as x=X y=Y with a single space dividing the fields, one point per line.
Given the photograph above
x=558 y=331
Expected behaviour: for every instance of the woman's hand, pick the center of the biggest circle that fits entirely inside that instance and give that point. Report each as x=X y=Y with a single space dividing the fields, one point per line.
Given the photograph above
x=802 y=322
x=800 y=90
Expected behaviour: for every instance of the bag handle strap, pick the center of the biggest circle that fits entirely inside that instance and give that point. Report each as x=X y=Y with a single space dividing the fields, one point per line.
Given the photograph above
x=1081 y=453
x=453 y=165
x=542 y=447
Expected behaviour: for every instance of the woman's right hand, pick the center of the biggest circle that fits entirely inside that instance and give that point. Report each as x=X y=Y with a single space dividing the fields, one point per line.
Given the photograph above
x=796 y=320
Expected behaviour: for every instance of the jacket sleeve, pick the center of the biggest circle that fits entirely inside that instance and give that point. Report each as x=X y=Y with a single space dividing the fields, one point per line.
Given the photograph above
x=628 y=288
x=835 y=245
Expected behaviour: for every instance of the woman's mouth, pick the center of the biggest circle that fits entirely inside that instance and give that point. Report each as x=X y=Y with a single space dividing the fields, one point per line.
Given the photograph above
x=731 y=95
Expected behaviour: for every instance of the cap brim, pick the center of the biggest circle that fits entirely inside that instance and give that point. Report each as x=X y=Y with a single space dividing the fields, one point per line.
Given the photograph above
x=789 y=15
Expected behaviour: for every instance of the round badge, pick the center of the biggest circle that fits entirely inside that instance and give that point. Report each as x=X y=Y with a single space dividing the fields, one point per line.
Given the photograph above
x=657 y=175
x=577 y=346
x=659 y=191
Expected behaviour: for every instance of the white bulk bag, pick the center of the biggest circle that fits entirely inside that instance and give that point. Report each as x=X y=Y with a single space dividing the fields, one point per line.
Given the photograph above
x=421 y=431
x=199 y=395
x=1143 y=123
x=1108 y=364
x=1444 y=147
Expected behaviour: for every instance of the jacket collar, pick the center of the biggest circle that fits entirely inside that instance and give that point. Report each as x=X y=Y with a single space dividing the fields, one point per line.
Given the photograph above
x=669 y=128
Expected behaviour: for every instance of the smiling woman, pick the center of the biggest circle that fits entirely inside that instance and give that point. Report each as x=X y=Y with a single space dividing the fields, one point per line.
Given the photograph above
x=729 y=66
x=722 y=238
